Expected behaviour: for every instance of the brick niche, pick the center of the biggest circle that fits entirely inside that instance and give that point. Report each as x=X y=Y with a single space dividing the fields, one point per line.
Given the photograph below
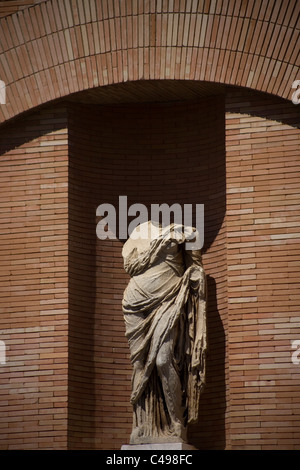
x=152 y=153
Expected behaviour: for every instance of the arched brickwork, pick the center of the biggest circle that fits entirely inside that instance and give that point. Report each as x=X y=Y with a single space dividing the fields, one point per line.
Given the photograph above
x=56 y=48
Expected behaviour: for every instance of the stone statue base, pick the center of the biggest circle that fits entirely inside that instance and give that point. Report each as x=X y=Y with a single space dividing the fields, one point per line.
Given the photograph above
x=161 y=446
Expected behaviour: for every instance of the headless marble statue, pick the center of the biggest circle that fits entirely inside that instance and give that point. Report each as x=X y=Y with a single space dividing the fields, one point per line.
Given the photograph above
x=164 y=308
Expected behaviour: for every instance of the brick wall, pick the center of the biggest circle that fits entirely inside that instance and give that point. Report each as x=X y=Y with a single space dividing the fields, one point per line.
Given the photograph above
x=66 y=382
x=153 y=153
x=34 y=287
x=263 y=246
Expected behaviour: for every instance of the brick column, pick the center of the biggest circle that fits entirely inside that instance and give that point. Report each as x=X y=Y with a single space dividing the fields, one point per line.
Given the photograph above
x=34 y=281
x=263 y=243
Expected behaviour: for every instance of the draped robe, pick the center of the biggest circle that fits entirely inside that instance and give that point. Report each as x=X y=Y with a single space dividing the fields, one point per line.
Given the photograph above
x=165 y=298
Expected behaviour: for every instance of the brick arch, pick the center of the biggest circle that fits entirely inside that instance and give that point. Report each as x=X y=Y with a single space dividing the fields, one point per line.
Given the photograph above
x=53 y=49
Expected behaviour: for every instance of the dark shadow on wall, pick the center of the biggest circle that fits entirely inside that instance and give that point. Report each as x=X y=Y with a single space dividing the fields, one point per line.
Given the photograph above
x=259 y=104
x=32 y=125
x=82 y=299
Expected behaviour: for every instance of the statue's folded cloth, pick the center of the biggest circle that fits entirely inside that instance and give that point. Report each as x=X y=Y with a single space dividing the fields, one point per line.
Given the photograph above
x=164 y=308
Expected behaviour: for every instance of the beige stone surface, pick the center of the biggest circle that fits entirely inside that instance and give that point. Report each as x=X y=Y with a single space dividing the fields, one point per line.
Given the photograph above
x=164 y=308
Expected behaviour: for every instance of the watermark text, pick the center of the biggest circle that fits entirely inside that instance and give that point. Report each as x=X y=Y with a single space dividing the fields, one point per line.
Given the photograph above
x=2 y=352
x=296 y=354
x=296 y=94
x=163 y=214
x=2 y=92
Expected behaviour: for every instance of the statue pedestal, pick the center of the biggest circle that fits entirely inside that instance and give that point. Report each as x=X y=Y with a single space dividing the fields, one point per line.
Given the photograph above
x=160 y=446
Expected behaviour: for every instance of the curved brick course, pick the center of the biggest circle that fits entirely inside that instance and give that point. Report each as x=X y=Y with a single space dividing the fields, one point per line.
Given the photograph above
x=56 y=48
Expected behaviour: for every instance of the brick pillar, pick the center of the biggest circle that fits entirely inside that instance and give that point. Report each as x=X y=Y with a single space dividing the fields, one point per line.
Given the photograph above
x=34 y=281
x=263 y=243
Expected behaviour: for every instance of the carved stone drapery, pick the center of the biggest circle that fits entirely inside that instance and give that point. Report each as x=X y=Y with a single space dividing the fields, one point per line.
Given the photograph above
x=164 y=308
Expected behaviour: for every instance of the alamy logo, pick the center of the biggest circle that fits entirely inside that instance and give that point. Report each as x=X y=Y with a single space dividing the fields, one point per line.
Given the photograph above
x=296 y=354
x=159 y=213
x=296 y=94
x=2 y=92
x=2 y=353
